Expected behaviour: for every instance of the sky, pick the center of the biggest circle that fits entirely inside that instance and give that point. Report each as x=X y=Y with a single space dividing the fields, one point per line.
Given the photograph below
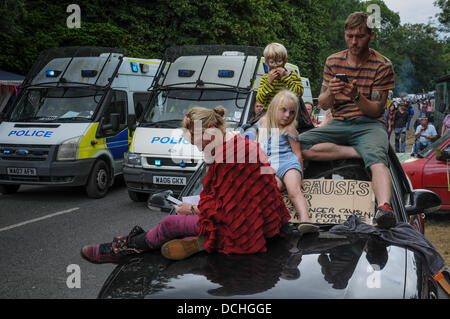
x=413 y=11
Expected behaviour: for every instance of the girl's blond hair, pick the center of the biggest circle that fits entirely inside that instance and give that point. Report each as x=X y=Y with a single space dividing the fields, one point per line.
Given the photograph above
x=270 y=121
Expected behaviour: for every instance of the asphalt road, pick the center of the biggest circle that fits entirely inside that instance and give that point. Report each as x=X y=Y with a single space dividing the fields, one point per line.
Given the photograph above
x=42 y=230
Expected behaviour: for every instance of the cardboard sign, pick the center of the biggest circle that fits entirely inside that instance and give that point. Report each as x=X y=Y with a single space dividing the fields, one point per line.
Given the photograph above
x=333 y=201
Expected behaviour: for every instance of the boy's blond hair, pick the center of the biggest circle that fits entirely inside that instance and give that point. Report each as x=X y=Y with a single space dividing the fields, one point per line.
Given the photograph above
x=275 y=50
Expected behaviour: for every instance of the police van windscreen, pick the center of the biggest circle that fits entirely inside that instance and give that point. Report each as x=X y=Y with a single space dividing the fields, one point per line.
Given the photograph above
x=169 y=107
x=68 y=104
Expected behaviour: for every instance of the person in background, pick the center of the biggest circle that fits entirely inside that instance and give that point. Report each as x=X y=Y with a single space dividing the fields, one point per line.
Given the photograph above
x=410 y=109
x=259 y=107
x=389 y=119
x=400 y=120
x=310 y=109
x=425 y=133
x=445 y=125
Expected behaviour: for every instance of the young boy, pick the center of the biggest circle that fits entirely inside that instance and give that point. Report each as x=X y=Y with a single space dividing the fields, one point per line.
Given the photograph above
x=278 y=78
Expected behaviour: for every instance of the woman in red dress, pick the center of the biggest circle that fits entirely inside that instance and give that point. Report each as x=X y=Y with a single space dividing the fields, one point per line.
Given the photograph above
x=240 y=205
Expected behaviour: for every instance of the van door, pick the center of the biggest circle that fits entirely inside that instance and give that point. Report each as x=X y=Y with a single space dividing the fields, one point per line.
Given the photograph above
x=115 y=138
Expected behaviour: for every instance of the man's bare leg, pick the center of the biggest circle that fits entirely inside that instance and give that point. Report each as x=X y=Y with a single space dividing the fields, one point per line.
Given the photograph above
x=329 y=152
x=382 y=187
x=381 y=183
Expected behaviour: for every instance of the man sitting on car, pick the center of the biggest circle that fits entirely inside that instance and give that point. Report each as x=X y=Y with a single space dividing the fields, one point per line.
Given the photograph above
x=357 y=99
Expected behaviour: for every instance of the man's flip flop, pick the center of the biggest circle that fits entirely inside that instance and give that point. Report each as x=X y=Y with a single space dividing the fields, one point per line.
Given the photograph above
x=306 y=228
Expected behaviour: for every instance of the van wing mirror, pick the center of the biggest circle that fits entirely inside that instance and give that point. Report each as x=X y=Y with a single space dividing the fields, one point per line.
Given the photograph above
x=423 y=201
x=131 y=122
x=114 y=123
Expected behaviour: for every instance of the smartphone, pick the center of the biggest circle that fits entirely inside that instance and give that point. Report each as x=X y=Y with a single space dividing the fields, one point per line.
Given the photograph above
x=173 y=200
x=342 y=77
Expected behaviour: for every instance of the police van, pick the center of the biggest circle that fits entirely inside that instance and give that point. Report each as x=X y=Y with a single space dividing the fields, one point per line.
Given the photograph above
x=68 y=127
x=159 y=157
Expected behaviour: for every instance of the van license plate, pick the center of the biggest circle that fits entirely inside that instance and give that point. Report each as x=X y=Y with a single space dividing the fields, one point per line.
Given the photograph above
x=22 y=171
x=169 y=180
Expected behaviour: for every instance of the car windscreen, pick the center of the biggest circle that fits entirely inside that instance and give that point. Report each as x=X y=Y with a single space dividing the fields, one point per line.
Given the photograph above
x=69 y=104
x=168 y=107
x=433 y=146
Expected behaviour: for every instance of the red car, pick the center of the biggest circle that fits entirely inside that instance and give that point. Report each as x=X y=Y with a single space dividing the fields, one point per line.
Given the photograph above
x=429 y=169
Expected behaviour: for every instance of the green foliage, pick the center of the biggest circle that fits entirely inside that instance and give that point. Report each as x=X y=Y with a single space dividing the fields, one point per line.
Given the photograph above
x=310 y=29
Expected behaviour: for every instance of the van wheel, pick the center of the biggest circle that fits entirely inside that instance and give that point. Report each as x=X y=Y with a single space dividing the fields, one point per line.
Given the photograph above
x=99 y=181
x=9 y=189
x=137 y=196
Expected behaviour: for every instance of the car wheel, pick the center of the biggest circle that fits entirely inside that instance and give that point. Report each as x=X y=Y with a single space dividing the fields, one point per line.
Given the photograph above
x=9 y=189
x=99 y=181
x=137 y=196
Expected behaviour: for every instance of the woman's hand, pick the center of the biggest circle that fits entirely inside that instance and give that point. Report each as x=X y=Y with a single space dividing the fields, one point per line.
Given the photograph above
x=183 y=209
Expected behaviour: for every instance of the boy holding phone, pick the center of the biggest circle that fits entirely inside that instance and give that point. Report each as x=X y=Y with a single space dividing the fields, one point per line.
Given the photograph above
x=358 y=104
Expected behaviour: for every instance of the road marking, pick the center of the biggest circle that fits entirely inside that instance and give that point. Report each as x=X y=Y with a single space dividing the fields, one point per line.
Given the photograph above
x=39 y=219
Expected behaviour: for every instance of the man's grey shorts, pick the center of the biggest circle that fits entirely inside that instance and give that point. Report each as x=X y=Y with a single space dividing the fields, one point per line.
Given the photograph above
x=367 y=136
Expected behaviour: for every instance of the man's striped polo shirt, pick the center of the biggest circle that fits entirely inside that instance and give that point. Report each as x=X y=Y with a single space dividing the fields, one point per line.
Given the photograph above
x=376 y=74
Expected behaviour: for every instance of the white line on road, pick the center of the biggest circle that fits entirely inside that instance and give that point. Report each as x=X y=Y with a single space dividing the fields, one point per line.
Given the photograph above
x=39 y=219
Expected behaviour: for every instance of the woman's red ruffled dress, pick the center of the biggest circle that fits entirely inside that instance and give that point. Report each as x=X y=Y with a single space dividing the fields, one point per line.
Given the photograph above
x=240 y=203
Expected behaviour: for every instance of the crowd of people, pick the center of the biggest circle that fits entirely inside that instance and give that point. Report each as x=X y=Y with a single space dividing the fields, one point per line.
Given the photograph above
x=224 y=221
x=398 y=117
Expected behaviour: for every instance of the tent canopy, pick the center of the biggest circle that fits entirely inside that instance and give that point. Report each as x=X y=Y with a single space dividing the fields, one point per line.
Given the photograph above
x=8 y=78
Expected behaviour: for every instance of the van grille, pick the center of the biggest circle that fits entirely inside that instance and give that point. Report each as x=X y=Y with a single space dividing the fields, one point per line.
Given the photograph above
x=169 y=162
x=39 y=179
x=23 y=152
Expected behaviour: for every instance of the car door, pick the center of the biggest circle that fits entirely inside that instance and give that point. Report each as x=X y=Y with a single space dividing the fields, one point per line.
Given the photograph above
x=435 y=176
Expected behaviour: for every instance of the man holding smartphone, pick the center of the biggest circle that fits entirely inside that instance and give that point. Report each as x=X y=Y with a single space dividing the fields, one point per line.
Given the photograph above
x=355 y=86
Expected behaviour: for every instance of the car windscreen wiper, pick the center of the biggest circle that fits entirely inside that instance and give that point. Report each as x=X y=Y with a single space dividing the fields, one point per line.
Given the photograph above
x=32 y=119
x=164 y=124
x=73 y=118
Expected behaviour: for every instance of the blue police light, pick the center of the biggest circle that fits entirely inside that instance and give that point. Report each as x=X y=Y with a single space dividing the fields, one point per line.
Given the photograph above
x=134 y=67
x=182 y=164
x=52 y=73
x=226 y=73
x=158 y=162
x=7 y=152
x=22 y=152
x=185 y=73
x=88 y=73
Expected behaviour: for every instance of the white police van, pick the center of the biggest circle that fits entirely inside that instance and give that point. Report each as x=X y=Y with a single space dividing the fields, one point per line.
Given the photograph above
x=68 y=127
x=159 y=157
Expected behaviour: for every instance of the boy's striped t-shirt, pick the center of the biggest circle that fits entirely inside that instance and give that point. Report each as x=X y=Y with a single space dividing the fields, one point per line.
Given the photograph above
x=267 y=91
x=376 y=74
